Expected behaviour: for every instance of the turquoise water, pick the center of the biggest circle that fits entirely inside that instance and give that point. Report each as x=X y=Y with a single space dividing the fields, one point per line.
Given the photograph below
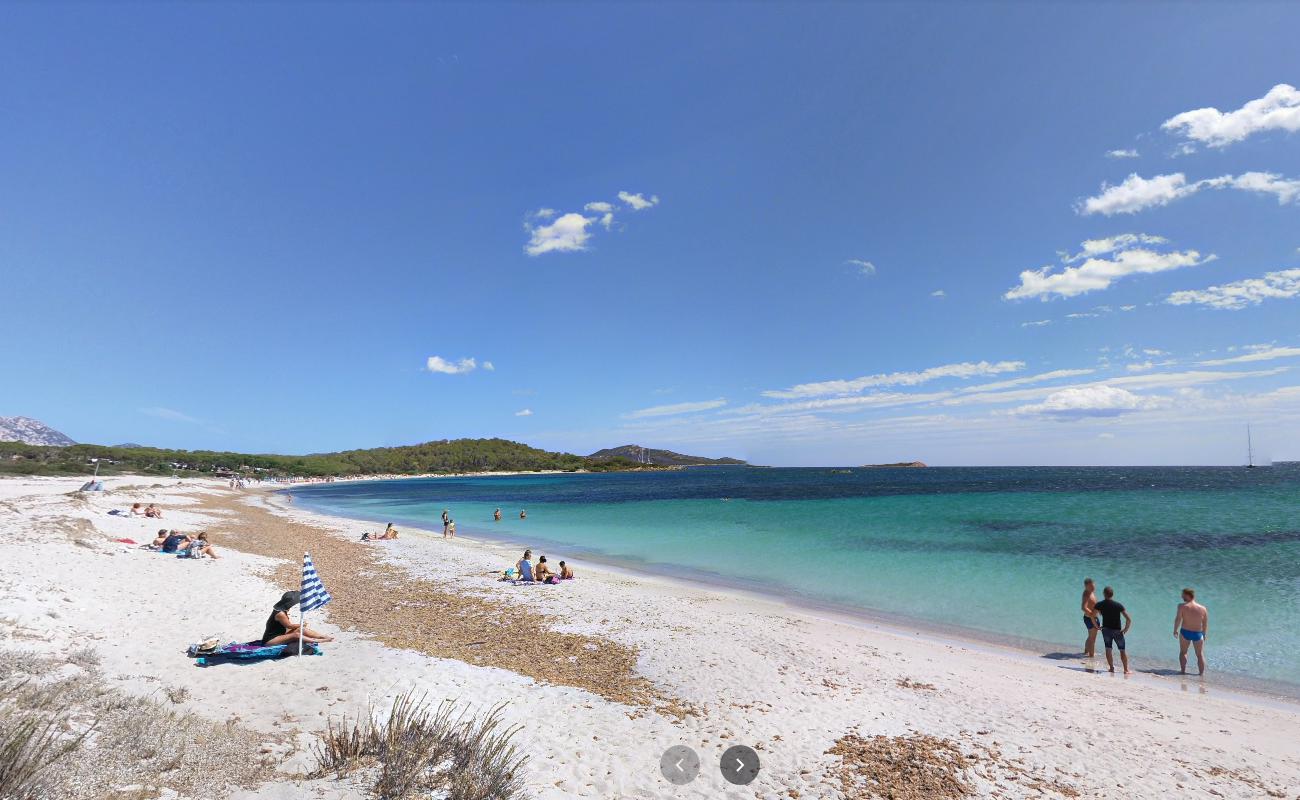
x=1001 y=551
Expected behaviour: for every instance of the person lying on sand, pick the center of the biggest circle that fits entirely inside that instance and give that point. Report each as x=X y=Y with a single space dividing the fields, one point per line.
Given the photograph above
x=389 y=533
x=159 y=539
x=566 y=572
x=280 y=629
x=136 y=509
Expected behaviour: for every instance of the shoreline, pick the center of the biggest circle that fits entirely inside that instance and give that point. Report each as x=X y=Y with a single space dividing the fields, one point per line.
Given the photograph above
x=1248 y=688
x=801 y=688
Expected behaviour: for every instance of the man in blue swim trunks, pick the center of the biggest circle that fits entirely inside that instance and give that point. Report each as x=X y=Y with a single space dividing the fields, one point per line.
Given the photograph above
x=1090 y=620
x=1111 y=633
x=1191 y=624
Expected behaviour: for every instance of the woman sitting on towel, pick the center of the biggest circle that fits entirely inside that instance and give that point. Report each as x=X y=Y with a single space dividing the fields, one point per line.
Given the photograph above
x=280 y=629
x=200 y=547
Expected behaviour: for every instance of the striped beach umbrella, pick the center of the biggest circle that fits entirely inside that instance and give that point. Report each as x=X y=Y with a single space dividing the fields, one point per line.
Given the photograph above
x=312 y=595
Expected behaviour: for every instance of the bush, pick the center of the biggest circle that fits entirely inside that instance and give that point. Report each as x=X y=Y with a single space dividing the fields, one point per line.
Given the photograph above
x=419 y=749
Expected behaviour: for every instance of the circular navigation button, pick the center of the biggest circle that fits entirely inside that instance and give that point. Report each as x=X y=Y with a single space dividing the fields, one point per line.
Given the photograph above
x=739 y=765
x=680 y=765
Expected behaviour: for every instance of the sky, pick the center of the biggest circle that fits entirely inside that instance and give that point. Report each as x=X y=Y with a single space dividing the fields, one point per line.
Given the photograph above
x=797 y=234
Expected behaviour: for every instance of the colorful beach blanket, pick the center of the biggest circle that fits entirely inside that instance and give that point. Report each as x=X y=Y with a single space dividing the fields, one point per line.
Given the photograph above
x=253 y=651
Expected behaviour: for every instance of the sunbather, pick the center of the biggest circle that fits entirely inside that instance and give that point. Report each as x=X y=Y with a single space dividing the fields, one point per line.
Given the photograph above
x=199 y=547
x=153 y=512
x=524 y=569
x=159 y=539
x=566 y=572
x=136 y=509
x=280 y=629
x=389 y=533
x=174 y=542
x=543 y=572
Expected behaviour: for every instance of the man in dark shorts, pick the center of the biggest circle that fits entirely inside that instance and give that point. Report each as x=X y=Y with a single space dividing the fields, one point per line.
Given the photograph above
x=1089 y=607
x=1111 y=612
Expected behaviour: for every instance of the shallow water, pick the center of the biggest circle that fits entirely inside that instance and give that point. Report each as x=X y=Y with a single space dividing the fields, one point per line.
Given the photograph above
x=997 y=550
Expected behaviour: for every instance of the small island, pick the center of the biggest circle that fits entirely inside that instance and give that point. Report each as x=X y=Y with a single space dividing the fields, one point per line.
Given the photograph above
x=896 y=465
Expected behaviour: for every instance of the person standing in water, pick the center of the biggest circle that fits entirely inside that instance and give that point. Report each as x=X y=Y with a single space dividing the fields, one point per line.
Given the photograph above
x=496 y=515
x=1191 y=625
x=523 y=514
x=1090 y=621
x=1111 y=610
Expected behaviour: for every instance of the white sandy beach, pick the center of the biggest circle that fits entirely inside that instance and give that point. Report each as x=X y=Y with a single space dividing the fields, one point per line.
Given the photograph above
x=783 y=680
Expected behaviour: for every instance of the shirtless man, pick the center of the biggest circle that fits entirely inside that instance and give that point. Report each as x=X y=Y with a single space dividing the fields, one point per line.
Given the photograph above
x=496 y=515
x=1090 y=621
x=1191 y=626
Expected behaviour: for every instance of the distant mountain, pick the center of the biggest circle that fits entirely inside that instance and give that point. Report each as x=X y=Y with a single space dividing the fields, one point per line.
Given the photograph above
x=660 y=458
x=31 y=431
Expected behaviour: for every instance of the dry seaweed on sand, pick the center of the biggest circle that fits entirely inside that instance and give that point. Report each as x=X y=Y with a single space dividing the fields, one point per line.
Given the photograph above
x=400 y=610
x=913 y=767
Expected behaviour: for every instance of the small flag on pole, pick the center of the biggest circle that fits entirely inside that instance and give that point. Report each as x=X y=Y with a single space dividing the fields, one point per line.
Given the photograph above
x=313 y=593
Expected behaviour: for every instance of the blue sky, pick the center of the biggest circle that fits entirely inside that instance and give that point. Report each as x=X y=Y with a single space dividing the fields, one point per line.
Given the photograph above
x=966 y=233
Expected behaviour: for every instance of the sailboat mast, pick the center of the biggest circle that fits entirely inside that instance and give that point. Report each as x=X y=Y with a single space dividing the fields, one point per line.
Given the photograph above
x=1250 y=449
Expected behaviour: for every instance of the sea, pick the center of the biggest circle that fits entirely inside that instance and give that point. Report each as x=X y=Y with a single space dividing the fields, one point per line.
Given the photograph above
x=996 y=553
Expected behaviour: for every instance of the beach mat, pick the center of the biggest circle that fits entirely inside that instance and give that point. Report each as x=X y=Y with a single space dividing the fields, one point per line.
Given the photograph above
x=246 y=652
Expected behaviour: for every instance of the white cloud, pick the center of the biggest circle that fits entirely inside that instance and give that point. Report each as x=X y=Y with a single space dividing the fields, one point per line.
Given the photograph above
x=1256 y=354
x=675 y=408
x=489 y=366
x=446 y=367
x=1105 y=436
x=1038 y=323
x=1127 y=308
x=524 y=412
x=1145 y=366
x=1137 y=193
x=864 y=267
x=638 y=201
x=843 y=387
x=565 y=235
x=544 y=213
x=1041 y=377
x=1240 y=294
x=1122 y=153
x=607 y=220
x=599 y=206
x=168 y=414
x=1278 y=110
x=938 y=293
x=1124 y=257
x=1090 y=401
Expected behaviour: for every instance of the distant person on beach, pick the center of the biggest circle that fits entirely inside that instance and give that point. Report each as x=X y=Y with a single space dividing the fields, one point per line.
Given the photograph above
x=543 y=572
x=159 y=539
x=1191 y=626
x=451 y=529
x=153 y=512
x=496 y=515
x=1090 y=617
x=524 y=567
x=136 y=509
x=174 y=542
x=389 y=533
x=280 y=629
x=523 y=514
x=566 y=572
x=199 y=547
x=1111 y=610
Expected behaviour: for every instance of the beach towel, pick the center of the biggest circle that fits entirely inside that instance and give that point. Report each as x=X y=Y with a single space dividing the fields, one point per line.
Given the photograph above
x=253 y=651
x=125 y=541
